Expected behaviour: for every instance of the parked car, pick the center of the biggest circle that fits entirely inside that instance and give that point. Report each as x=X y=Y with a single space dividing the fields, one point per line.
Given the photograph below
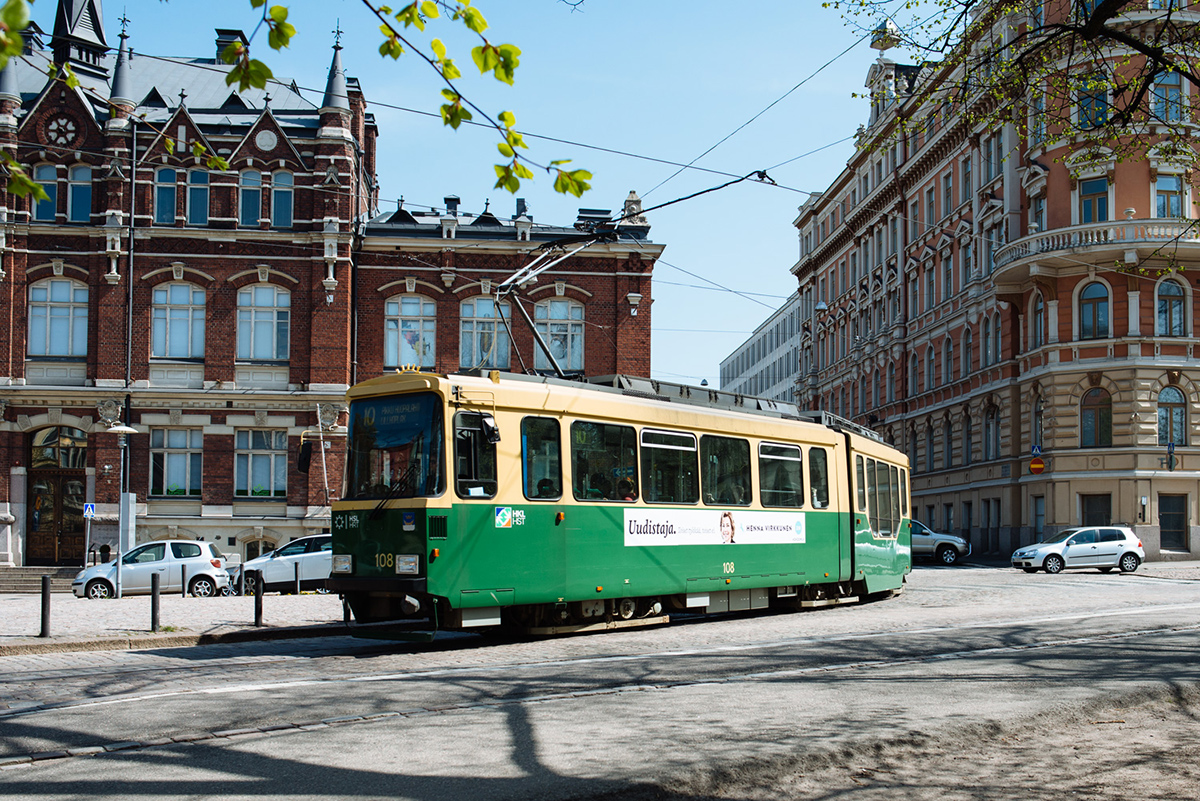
x=946 y=548
x=1102 y=547
x=181 y=563
x=314 y=555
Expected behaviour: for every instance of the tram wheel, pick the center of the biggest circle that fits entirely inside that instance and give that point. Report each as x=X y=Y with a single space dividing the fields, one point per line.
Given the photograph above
x=626 y=608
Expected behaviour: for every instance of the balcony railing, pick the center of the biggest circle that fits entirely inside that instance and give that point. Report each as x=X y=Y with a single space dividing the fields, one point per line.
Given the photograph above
x=1125 y=232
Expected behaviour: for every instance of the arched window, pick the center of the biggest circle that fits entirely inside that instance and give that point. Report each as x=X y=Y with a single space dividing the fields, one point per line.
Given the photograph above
x=79 y=194
x=996 y=350
x=930 y=377
x=1093 y=311
x=985 y=353
x=264 y=323
x=177 y=327
x=948 y=360
x=929 y=448
x=484 y=339
x=46 y=176
x=891 y=383
x=1172 y=417
x=947 y=445
x=164 y=196
x=58 y=318
x=1095 y=419
x=250 y=199
x=1169 y=319
x=875 y=390
x=560 y=322
x=197 y=197
x=409 y=331
x=913 y=386
x=968 y=440
x=991 y=434
x=968 y=361
x=1037 y=331
x=281 y=200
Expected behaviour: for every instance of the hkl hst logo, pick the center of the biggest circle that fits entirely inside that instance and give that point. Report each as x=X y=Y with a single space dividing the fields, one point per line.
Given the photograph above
x=507 y=517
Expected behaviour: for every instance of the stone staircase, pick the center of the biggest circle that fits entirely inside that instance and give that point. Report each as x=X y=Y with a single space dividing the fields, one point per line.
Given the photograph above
x=29 y=579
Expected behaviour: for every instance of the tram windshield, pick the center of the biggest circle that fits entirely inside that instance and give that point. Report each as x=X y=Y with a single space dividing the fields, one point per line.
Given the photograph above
x=395 y=447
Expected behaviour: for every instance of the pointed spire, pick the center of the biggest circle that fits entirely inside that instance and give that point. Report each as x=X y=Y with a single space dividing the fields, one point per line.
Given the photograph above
x=79 y=37
x=336 y=96
x=122 y=82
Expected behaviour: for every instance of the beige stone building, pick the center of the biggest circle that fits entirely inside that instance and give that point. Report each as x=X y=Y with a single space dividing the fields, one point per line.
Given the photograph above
x=981 y=295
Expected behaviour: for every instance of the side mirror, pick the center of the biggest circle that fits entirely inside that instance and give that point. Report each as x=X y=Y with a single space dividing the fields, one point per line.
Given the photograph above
x=304 y=457
x=491 y=431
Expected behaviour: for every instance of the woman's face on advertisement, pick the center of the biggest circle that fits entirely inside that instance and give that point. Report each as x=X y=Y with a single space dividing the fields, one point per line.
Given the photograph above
x=726 y=527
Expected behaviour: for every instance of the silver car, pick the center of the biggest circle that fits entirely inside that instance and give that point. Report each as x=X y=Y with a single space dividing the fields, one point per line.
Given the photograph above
x=1101 y=547
x=179 y=563
x=309 y=557
x=946 y=548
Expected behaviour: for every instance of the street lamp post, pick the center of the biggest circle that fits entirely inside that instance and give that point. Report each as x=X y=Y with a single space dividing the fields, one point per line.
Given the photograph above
x=121 y=430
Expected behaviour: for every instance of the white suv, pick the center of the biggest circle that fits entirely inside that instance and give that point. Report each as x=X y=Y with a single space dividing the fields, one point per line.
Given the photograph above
x=1103 y=547
x=313 y=555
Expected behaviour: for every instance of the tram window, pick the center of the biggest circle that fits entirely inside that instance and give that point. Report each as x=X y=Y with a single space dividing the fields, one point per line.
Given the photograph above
x=603 y=461
x=872 y=492
x=669 y=470
x=818 y=475
x=541 y=458
x=725 y=471
x=898 y=494
x=903 y=493
x=862 y=486
x=780 y=478
x=474 y=457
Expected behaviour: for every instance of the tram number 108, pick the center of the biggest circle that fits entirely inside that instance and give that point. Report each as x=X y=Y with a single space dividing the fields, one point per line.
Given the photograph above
x=727 y=567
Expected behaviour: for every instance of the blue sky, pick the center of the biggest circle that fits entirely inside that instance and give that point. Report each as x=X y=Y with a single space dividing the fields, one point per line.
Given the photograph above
x=665 y=79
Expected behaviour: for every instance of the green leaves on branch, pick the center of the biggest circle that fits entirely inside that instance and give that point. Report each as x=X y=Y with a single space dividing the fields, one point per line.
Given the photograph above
x=453 y=113
x=501 y=61
x=570 y=182
x=14 y=17
x=19 y=182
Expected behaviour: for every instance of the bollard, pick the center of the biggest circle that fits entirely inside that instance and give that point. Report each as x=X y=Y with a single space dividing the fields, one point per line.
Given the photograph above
x=296 y=566
x=183 y=580
x=241 y=584
x=258 y=588
x=45 y=607
x=155 y=582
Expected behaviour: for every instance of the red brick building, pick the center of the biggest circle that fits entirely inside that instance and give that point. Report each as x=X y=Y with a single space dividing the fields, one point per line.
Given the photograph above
x=223 y=312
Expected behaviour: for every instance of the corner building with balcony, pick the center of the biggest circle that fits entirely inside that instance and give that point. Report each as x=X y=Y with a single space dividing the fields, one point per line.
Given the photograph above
x=980 y=295
x=222 y=312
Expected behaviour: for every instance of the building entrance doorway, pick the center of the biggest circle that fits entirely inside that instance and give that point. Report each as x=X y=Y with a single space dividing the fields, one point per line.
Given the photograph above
x=1173 y=522
x=54 y=530
x=1097 y=510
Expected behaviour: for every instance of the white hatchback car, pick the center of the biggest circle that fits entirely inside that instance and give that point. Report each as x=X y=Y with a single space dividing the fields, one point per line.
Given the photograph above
x=179 y=563
x=312 y=556
x=1102 y=547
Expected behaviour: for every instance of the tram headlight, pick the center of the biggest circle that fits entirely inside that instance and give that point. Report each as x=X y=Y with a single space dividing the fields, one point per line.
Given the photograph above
x=407 y=564
x=343 y=563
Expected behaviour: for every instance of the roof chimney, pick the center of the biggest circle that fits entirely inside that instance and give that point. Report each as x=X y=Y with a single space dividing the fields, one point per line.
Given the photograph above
x=226 y=37
x=452 y=204
x=522 y=209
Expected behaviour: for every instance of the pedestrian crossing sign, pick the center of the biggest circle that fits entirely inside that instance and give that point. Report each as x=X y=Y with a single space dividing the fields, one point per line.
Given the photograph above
x=89 y=510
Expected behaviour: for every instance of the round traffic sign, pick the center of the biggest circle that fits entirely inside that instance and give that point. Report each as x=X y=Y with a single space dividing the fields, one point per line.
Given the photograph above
x=1036 y=466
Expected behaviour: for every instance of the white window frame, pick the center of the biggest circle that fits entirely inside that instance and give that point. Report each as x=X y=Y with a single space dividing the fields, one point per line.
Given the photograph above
x=53 y=318
x=75 y=186
x=197 y=198
x=476 y=328
x=283 y=196
x=565 y=331
x=162 y=190
x=250 y=188
x=175 y=451
x=410 y=319
x=174 y=318
x=264 y=323
x=254 y=448
x=46 y=175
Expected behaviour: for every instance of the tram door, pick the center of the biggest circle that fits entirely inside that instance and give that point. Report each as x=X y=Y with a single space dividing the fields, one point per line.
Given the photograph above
x=54 y=523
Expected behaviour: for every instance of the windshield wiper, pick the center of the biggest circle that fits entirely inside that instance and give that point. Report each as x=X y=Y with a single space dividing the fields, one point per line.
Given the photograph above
x=407 y=477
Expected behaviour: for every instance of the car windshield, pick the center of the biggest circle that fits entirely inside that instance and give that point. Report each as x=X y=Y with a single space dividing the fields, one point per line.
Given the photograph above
x=1060 y=536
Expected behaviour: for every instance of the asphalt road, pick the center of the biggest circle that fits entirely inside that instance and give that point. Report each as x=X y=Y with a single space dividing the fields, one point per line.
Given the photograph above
x=692 y=709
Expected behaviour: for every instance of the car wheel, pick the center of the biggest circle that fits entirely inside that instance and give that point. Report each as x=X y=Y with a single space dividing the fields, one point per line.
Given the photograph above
x=248 y=584
x=1053 y=564
x=1129 y=563
x=203 y=587
x=99 y=589
x=947 y=555
x=1029 y=569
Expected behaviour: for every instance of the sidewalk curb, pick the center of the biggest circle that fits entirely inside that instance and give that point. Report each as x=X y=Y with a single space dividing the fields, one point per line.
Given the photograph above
x=143 y=641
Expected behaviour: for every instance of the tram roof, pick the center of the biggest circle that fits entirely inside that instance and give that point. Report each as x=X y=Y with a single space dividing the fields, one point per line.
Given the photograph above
x=705 y=397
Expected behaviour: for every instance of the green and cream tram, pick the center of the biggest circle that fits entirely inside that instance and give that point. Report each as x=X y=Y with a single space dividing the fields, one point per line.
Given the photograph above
x=541 y=503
